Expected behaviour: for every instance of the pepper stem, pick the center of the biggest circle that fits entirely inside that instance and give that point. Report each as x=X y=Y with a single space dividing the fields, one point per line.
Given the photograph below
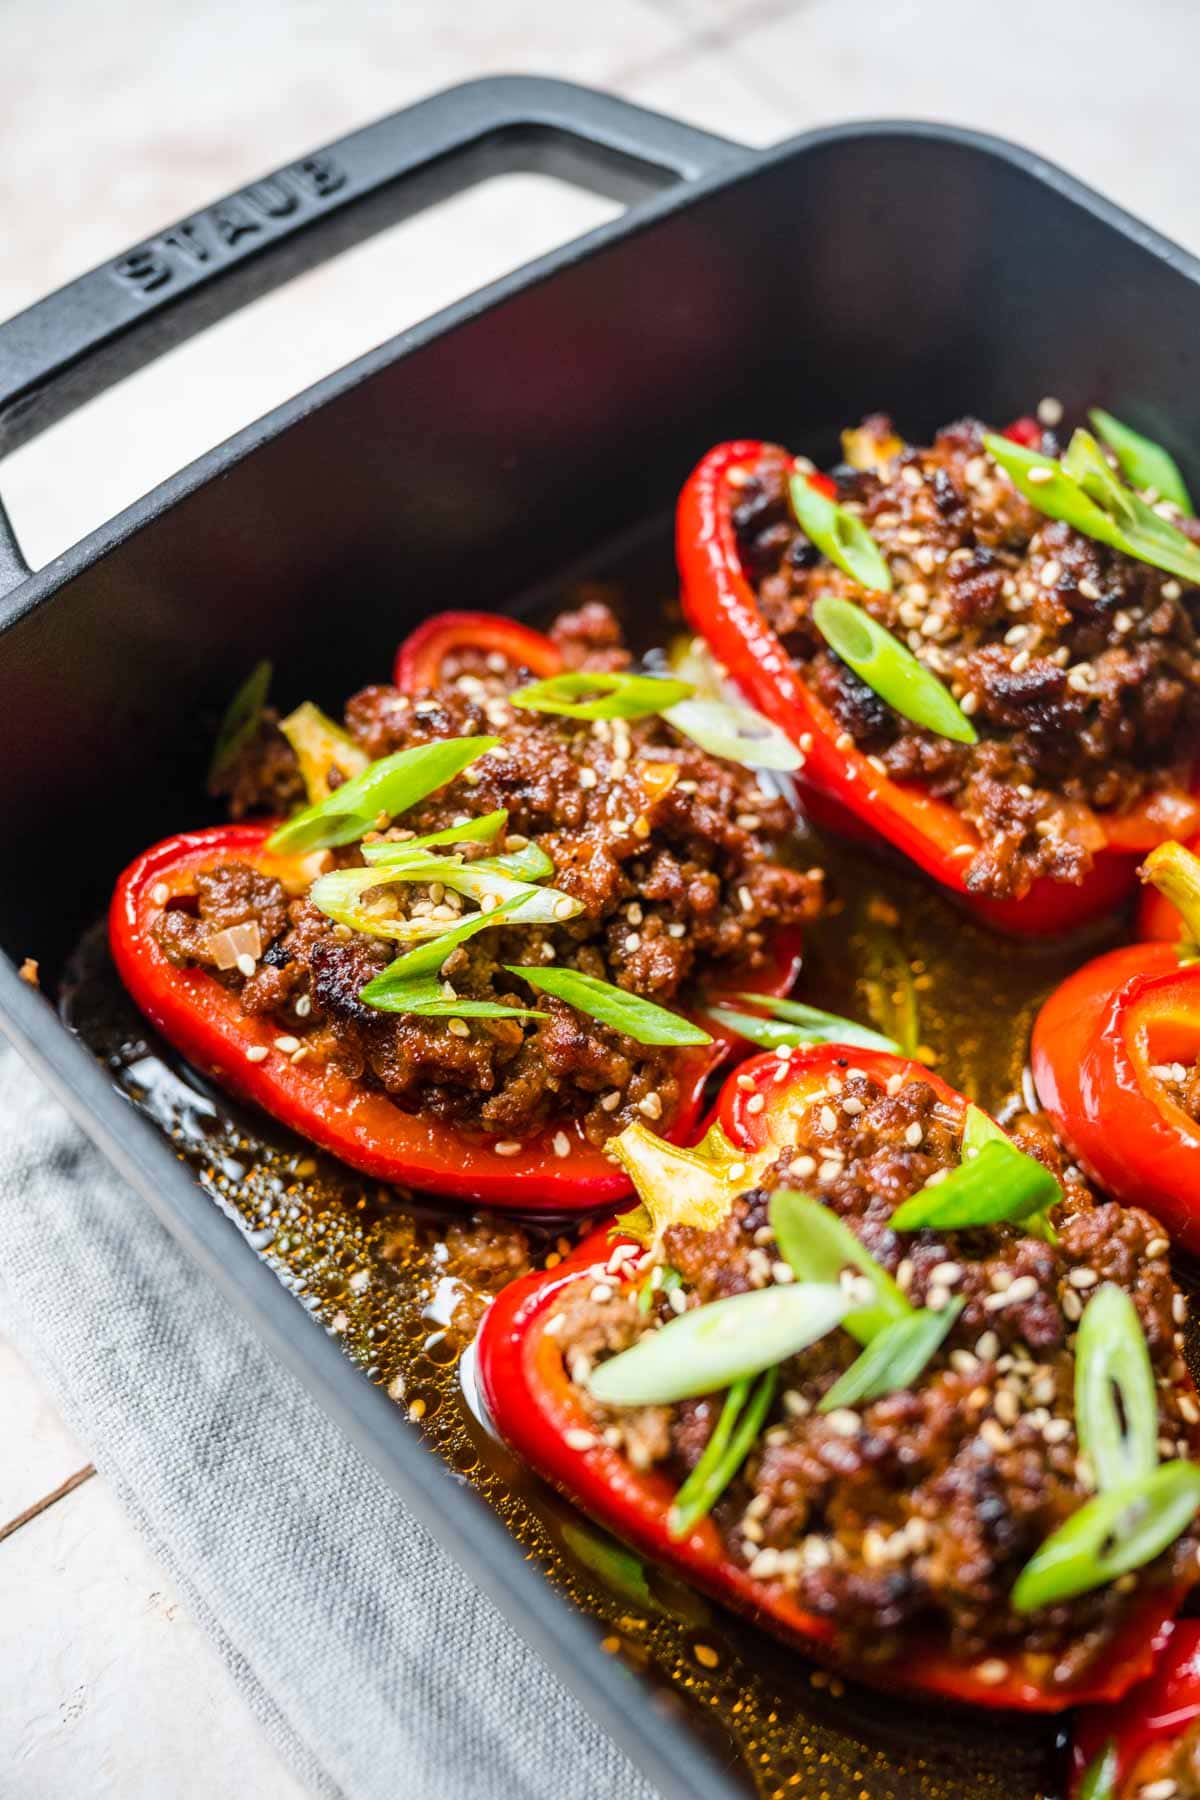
x=677 y=1186
x=1175 y=871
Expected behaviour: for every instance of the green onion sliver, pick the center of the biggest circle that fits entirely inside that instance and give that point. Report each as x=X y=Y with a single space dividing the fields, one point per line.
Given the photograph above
x=1089 y=506
x=240 y=718
x=387 y=787
x=427 y=958
x=1100 y=1777
x=616 y=1566
x=736 y=734
x=602 y=694
x=890 y=669
x=425 y=999
x=1144 y=463
x=470 y=831
x=1116 y=1401
x=1000 y=1183
x=791 y=1022
x=339 y=894
x=627 y=1013
x=1111 y=1535
x=839 y=535
x=741 y=1420
x=711 y=1347
x=818 y=1246
x=979 y=1128
x=893 y=1359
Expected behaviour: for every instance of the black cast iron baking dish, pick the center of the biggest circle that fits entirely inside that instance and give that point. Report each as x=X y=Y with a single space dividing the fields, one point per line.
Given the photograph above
x=921 y=268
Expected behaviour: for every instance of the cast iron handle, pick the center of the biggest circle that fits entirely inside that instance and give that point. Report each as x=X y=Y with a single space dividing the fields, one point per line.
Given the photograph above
x=77 y=342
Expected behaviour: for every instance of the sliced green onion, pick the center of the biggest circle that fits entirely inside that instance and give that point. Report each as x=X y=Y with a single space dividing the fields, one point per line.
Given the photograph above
x=602 y=694
x=1100 y=1777
x=389 y=786
x=668 y=1279
x=425 y=999
x=1000 y=1183
x=713 y=1346
x=240 y=718
x=1053 y=490
x=893 y=1359
x=427 y=958
x=528 y=864
x=1116 y=1401
x=617 y=1567
x=818 y=1246
x=735 y=733
x=471 y=831
x=839 y=535
x=979 y=1128
x=1144 y=463
x=321 y=746
x=339 y=894
x=1111 y=1535
x=793 y=1023
x=627 y=1013
x=890 y=669
x=723 y=1455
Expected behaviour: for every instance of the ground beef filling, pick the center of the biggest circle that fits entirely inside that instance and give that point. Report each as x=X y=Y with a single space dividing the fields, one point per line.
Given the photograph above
x=916 y=1512
x=1181 y=1085
x=668 y=850
x=1080 y=668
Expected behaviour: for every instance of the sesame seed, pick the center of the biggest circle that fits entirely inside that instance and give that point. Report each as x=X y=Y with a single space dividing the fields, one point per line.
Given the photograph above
x=937 y=1299
x=745 y=899
x=828 y=1120
x=1171 y=590
x=803 y=1167
x=1179 y=1309
x=1050 y=573
x=1072 y=1307
x=843 y=1422
x=677 y=931
x=829 y=1170
x=458 y=1028
x=755 y=1103
x=286 y=1045
x=963 y=1363
x=650 y=1106
x=894 y=1084
x=257 y=1053
x=904 y=1273
x=1157 y=1247
x=677 y=1300
x=562 y=1144
x=783 y=1273
x=303 y=1006
x=947 y=1273
x=1057 y=1431
x=1189 y=1410
x=245 y=965
x=1049 y=411
x=587 y=778
x=601 y=1292
x=578 y=1439
x=1166 y=1789
x=749 y=821
x=736 y=1170
x=1007 y=1406
x=993 y=1671
x=1083 y=1278
x=160 y=893
x=562 y=908
x=994 y=1435
x=506 y=1147
x=987 y=1346
x=913 y=1135
x=490 y=902
x=611 y=1101
x=1039 y=475
x=1023 y=1288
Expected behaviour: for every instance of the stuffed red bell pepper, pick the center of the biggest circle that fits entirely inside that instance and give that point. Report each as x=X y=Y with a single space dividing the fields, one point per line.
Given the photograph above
x=1148 y=1747
x=973 y=670
x=880 y=1375
x=485 y=945
x=1116 y=1059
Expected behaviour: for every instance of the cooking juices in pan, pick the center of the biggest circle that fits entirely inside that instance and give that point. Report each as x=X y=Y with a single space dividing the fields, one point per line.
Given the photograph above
x=1008 y=702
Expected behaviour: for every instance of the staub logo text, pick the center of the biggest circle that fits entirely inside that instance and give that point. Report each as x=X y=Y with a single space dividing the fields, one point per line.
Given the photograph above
x=249 y=216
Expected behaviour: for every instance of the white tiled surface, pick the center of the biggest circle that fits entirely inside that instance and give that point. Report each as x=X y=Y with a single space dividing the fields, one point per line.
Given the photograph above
x=116 y=120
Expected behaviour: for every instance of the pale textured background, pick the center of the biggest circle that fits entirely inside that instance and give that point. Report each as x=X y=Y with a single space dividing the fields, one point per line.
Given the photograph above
x=115 y=120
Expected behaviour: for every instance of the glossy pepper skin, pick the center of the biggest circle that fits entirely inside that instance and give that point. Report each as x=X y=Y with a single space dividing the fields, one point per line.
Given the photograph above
x=1152 y=1715
x=534 y=1407
x=420 y=657
x=843 y=790
x=1095 y=1043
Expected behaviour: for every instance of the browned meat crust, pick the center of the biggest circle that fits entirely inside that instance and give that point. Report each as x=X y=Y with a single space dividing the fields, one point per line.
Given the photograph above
x=668 y=850
x=1079 y=667
x=917 y=1511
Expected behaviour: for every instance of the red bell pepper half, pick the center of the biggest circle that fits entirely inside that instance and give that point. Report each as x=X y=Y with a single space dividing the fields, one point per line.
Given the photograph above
x=204 y=1020
x=536 y=1410
x=1150 y=1718
x=1096 y=1043
x=843 y=788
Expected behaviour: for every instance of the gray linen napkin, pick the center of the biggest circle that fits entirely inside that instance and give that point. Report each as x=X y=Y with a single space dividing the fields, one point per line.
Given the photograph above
x=374 y=1665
